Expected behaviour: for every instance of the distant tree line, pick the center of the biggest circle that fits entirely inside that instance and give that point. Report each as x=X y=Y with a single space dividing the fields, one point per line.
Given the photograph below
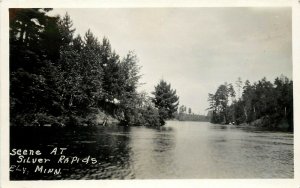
x=61 y=79
x=186 y=114
x=262 y=103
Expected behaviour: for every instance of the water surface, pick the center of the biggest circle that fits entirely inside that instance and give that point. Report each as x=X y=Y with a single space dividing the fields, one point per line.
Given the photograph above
x=177 y=150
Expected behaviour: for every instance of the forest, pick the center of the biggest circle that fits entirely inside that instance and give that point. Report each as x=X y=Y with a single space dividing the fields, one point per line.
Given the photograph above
x=186 y=114
x=263 y=103
x=59 y=79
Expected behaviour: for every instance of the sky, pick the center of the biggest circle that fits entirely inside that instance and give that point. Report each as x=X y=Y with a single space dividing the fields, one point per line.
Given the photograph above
x=195 y=49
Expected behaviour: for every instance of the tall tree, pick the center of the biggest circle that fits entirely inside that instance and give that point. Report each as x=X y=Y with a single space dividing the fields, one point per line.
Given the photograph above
x=32 y=57
x=239 y=86
x=166 y=100
x=248 y=98
x=58 y=78
x=126 y=88
x=66 y=30
x=219 y=103
x=27 y=29
x=271 y=104
x=182 y=109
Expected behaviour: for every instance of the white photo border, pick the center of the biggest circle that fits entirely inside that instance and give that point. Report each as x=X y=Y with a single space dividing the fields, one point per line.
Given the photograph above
x=4 y=94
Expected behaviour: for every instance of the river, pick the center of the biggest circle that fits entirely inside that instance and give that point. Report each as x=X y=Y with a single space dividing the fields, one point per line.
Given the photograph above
x=189 y=150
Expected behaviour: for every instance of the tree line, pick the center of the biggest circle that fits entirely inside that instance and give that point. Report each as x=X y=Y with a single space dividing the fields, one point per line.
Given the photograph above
x=262 y=103
x=186 y=114
x=61 y=79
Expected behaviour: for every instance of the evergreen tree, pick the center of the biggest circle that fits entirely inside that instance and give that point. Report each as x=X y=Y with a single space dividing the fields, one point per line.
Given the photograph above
x=182 y=109
x=32 y=69
x=56 y=78
x=239 y=85
x=78 y=43
x=166 y=100
x=125 y=88
x=221 y=97
x=66 y=30
x=270 y=104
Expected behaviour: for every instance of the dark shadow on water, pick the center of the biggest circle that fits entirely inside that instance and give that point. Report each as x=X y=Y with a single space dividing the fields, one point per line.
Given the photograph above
x=219 y=127
x=108 y=145
x=164 y=140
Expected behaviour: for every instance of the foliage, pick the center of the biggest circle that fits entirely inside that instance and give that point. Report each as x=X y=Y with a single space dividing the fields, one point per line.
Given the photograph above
x=182 y=109
x=271 y=103
x=57 y=78
x=219 y=103
x=190 y=117
x=166 y=100
x=183 y=115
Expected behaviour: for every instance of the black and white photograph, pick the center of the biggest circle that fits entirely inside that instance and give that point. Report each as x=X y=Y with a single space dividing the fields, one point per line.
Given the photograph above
x=150 y=93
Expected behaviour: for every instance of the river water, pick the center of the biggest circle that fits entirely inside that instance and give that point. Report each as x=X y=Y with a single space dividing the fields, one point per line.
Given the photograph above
x=178 y=150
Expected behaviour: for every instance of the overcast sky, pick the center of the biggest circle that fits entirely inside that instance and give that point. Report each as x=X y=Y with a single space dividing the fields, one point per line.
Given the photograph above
x=196 y=49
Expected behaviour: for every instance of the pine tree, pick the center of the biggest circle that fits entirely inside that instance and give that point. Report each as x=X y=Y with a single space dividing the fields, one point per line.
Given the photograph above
x=166 y=100
x=66 y=30
x=32 y=56
x=125 y=85
x=239 y=86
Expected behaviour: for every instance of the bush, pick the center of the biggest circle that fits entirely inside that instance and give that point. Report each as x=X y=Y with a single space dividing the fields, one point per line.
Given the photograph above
x=144 y=116
x=150 y=116
x=73 y=121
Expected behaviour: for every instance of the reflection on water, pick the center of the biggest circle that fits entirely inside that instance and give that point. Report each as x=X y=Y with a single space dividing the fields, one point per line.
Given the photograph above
x=178 y=150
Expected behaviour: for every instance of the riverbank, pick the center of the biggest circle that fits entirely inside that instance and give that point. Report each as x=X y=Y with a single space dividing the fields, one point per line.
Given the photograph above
x=270 y=125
